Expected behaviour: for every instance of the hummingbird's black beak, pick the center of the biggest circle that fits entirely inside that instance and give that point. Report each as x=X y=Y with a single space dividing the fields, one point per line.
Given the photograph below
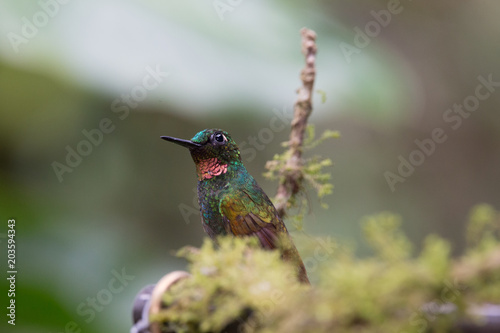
x=185 y=143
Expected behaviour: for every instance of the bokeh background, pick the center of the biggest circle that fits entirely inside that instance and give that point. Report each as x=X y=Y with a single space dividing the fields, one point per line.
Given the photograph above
x=233 y=65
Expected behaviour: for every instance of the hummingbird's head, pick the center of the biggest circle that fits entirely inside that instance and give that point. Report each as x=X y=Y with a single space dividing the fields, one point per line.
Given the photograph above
x=212 y=151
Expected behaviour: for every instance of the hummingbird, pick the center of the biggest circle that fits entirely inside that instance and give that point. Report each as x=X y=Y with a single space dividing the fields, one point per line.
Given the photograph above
x=231 y=202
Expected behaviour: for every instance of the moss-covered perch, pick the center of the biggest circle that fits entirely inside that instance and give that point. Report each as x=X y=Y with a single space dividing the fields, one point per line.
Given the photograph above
x=239 y=287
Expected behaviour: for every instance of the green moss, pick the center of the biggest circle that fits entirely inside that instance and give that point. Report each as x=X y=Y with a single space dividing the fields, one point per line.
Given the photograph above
x=226 y=282
x=483 y=227
x=310 y=175
x=237 y=282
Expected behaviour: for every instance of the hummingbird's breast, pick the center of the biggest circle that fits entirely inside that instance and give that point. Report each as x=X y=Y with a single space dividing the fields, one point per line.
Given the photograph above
x=209 y=196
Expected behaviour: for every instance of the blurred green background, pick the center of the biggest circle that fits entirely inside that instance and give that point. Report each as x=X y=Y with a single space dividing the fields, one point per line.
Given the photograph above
x=64 y=67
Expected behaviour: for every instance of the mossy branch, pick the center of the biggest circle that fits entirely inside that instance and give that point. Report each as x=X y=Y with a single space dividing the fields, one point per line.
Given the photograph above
x=291 y=172
x=390 y=291
x=290 y=168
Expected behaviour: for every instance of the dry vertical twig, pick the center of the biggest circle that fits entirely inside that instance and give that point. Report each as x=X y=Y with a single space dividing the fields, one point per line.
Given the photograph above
x=291 y=174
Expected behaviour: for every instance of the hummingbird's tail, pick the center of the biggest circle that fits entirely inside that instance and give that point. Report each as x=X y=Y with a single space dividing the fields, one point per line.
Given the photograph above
x=290 y=254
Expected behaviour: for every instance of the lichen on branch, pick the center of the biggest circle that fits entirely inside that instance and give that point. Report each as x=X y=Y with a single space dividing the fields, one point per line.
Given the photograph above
x=291 y=173
x=289 y=167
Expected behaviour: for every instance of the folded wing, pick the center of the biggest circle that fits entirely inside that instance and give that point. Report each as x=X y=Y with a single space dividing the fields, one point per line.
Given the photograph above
x=245 y=214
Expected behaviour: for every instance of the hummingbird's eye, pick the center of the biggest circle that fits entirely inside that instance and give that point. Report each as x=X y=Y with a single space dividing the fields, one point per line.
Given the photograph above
x=219 y=137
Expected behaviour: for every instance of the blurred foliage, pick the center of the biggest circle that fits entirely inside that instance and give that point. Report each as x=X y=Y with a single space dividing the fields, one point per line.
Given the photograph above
x=388 y=291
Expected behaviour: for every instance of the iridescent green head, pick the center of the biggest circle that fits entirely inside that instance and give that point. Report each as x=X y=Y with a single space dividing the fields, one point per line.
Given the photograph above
x=210 y=144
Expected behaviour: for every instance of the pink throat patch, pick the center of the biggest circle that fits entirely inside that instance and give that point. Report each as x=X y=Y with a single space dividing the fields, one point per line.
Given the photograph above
x=210 y=168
